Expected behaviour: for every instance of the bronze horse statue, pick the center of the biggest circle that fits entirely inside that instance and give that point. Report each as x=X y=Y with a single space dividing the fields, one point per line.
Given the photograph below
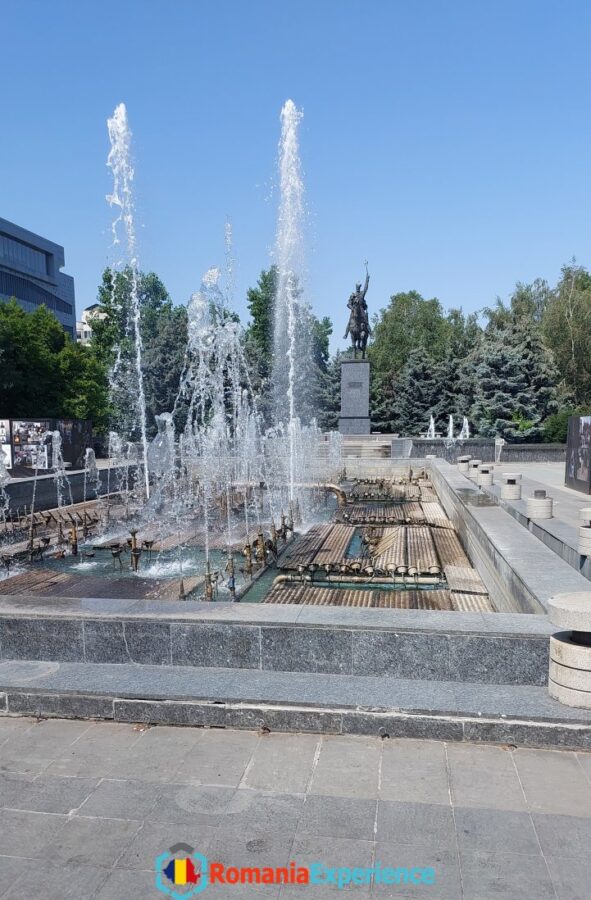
x=358 y=325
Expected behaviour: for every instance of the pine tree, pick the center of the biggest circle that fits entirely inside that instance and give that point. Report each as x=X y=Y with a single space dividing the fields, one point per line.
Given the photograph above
x=416 y=394
x=329 y=407
x=515 y=382
x=381 y=402
x=259 y=336
x=455 y=390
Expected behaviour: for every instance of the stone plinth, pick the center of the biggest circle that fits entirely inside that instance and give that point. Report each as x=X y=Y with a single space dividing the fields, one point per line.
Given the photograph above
x=354 y=418
x=570 y=651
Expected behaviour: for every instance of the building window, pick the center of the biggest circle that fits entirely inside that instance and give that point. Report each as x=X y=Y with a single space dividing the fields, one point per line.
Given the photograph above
x=13 y=286
x=22 y=256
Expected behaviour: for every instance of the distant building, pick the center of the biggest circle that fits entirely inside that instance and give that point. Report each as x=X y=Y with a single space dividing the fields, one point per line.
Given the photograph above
x=84 y=326
x=30 y=271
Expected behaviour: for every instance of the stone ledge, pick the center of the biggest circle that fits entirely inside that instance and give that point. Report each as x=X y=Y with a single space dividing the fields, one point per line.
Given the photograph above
x=65 y=608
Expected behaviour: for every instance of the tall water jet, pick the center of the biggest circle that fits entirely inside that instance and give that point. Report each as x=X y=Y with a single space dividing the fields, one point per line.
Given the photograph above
x=289 y=259
x=465 y=432
x=4 y=481
x=431 y=428
x=119 y=161
x=450 y=428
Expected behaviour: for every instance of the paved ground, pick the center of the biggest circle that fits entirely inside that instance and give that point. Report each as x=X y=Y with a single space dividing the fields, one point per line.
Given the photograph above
x=86 y=808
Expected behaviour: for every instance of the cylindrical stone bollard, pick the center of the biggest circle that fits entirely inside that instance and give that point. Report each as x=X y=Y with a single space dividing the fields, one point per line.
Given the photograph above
x=485 y=474
x=473 y=469
x=511 y=487
x=539 y=506
x=463 y=464
x=569 y=678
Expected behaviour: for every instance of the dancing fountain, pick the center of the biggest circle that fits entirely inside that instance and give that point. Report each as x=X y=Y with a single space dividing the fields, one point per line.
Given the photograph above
x=217 y=482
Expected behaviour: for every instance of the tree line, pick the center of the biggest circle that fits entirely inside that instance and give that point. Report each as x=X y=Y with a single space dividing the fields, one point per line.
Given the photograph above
x=516 y=370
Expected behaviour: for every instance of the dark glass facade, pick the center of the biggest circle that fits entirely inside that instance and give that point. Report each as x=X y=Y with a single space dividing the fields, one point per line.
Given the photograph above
x=30 y=271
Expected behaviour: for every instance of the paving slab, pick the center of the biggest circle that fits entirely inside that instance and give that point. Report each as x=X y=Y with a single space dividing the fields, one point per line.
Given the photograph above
x=414 y=771
x=484 y=776
x=106 y=847
x=554 y=783
x=353 y=771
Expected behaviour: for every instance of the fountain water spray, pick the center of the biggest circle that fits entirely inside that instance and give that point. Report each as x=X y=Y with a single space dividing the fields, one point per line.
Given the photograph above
x=119 y=161
x=450 y=428
x=4 y=498
x=289 y=258
x=59 y=469
x=465 y=432
x=431 y=429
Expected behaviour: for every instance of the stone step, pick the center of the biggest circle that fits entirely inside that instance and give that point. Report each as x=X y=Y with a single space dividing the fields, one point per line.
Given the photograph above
x=287 y=701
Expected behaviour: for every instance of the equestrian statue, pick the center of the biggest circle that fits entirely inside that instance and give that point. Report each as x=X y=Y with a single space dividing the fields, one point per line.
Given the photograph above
x=358 y=326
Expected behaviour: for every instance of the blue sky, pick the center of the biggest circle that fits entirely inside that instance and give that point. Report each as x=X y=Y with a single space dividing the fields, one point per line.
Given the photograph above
x=447 y=142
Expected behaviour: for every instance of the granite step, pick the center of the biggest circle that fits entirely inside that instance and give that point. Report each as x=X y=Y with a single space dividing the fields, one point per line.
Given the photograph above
x=287 y=701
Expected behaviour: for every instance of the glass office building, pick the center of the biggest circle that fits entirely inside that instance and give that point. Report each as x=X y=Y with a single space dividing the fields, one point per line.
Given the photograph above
x=30 y=271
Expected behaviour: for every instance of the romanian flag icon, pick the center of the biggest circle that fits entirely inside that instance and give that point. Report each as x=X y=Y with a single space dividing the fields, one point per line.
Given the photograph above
x=182 y=871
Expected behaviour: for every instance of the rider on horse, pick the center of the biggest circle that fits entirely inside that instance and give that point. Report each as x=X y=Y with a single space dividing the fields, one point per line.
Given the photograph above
x=358 y=325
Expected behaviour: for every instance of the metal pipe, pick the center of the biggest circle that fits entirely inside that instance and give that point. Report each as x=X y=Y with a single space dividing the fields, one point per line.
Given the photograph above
x=335 y=580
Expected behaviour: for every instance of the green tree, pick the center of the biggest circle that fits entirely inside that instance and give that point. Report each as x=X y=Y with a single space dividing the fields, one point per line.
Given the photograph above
x=415 y=394
x=381 y=402
x=85 y=389
x=566 y=326
x=43 y=373
x=30 y=343
x=408 y=323
x=329 y=406
x=515 y=381
x=163 y=329
x=261 y=304
x=555 y=428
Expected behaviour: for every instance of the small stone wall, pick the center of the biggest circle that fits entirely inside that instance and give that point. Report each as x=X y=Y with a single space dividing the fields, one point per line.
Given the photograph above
x=484 y=449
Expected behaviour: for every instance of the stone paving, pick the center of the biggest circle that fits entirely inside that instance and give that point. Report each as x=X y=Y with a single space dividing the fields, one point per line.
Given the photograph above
x=86 y=807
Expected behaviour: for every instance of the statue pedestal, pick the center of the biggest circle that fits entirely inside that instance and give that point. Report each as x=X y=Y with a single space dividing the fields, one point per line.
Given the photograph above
x=354 y=418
